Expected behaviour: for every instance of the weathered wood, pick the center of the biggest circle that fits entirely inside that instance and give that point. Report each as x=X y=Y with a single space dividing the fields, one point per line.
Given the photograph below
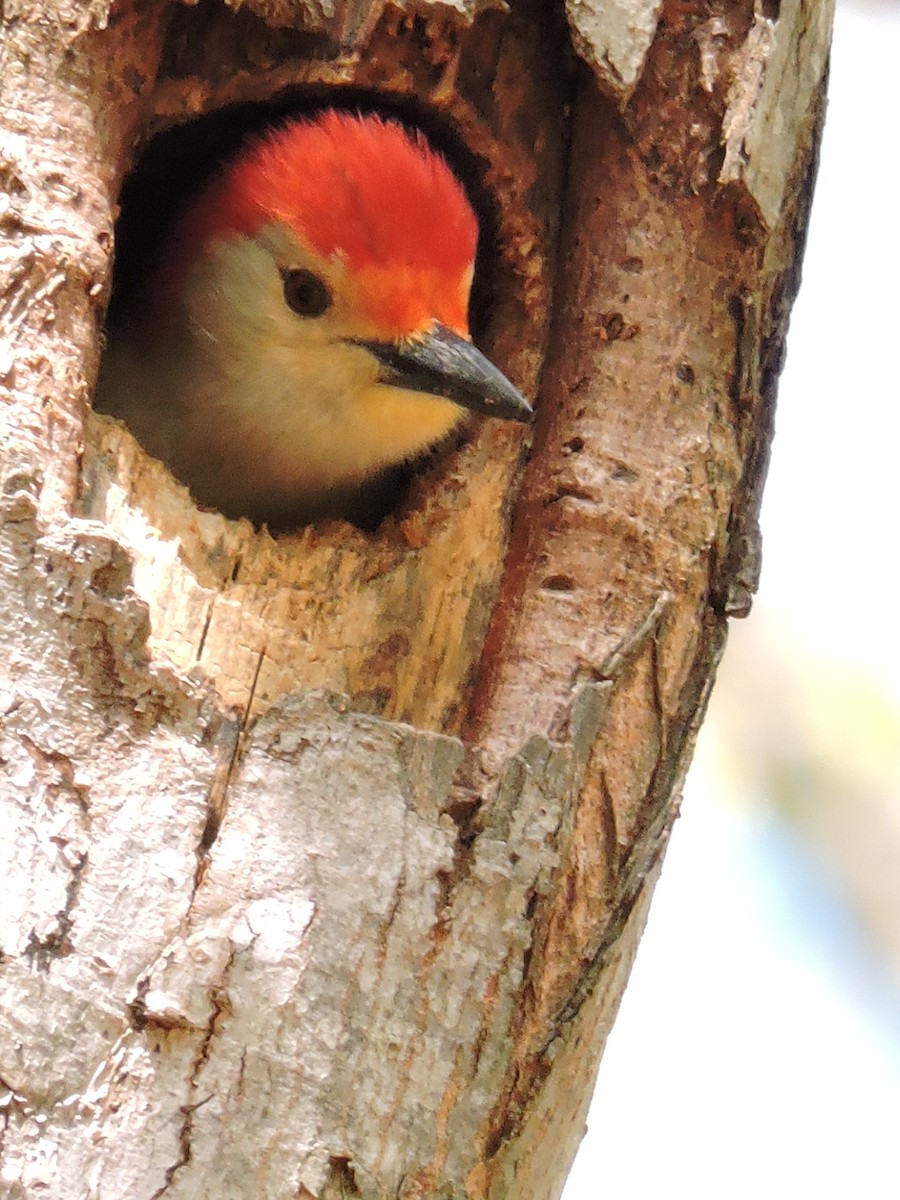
x=259 y=939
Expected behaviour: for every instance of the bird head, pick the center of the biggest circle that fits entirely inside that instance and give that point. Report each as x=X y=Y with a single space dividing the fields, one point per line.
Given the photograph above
x=309 y=319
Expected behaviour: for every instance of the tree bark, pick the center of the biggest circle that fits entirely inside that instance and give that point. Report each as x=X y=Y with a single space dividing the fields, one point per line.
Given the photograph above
x=327 y=855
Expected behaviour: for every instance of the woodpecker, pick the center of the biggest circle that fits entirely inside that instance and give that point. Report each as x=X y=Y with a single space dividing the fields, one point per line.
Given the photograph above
x=306 y=326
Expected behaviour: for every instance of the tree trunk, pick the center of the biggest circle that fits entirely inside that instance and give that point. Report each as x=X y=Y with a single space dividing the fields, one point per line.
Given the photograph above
x=327 y=855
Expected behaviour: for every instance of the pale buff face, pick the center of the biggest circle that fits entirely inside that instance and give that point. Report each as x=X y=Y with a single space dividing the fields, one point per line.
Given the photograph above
x=287 y=401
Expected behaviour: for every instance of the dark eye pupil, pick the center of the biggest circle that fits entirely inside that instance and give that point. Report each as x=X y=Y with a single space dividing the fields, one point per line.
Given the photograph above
x=306 y=293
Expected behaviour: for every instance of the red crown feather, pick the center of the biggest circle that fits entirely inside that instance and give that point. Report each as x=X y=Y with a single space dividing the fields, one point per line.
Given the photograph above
x=356 y=187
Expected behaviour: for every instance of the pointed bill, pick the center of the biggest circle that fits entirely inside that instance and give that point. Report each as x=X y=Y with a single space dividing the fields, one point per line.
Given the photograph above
x=444 y=364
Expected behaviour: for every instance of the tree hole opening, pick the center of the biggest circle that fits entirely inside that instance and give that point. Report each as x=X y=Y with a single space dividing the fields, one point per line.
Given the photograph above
x=176 y=164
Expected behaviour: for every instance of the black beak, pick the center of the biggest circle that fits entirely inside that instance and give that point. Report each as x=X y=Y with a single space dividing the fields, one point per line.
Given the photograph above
x=441 y=363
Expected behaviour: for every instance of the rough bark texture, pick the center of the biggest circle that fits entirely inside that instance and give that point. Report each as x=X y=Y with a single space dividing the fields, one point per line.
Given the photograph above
x=326 y=856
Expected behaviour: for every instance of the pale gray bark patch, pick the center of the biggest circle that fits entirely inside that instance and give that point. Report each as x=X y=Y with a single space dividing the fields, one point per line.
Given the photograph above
x=774 y=78
x=775 y=84
x=353 y=966
x=613 y=38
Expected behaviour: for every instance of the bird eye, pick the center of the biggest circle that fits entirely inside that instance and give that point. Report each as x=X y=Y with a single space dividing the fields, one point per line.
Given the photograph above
x=306 y=293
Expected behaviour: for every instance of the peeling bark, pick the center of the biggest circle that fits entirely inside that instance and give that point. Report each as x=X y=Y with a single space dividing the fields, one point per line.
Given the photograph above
x=327 y=855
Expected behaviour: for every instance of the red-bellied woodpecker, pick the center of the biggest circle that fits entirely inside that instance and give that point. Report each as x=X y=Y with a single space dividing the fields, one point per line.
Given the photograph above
x=307 y=324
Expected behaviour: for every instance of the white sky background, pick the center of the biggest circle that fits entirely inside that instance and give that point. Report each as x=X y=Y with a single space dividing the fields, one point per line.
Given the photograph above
x=757 y=1052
